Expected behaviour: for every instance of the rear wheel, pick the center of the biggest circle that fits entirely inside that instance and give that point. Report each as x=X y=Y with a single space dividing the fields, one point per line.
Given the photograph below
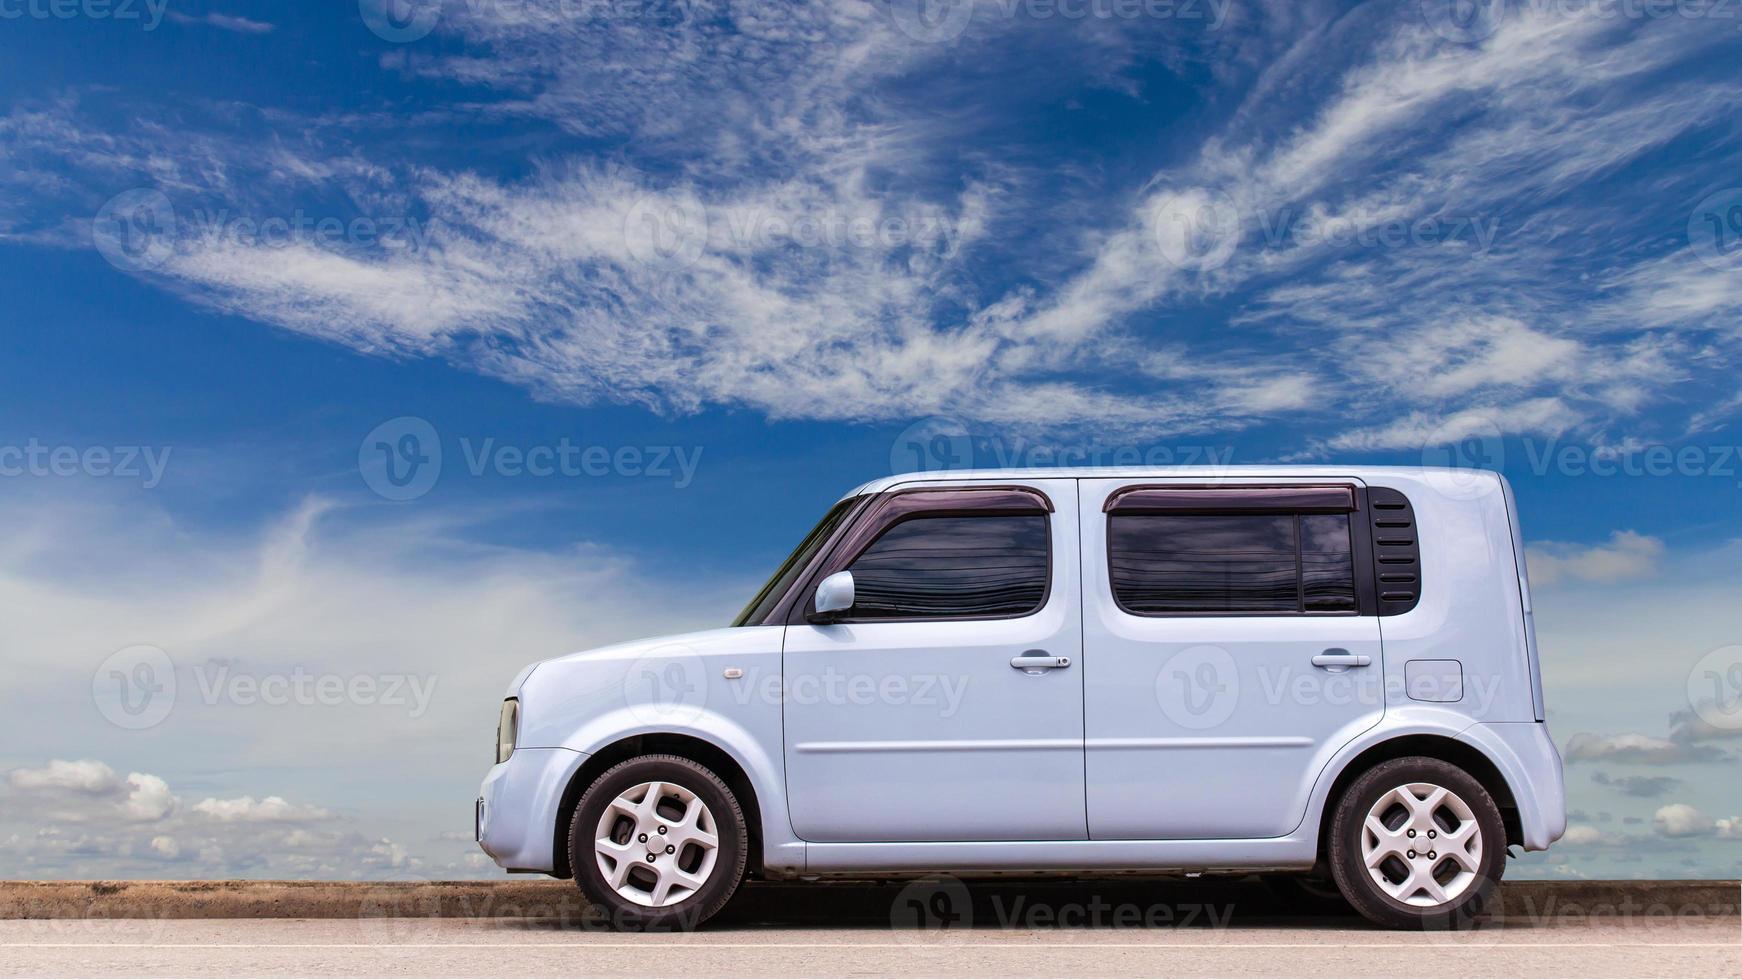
x=1417 y=843
x=658 y=842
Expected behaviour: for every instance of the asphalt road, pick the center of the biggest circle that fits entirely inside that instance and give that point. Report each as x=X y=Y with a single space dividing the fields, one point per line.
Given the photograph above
x=1009 y=931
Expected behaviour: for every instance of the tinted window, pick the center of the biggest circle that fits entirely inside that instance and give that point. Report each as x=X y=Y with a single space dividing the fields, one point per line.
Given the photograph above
x=1327 y=565
x=961 y=567
x=1166 y=564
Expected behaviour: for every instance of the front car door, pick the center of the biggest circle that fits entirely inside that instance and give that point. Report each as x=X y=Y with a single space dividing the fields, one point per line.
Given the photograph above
x=1226 y=652
x=906 y=719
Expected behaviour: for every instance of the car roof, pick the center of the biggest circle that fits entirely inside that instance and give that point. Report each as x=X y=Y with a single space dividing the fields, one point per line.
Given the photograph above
x=1281 y=471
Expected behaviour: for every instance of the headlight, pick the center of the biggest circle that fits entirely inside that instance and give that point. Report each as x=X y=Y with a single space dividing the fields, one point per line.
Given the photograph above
x=507 y=729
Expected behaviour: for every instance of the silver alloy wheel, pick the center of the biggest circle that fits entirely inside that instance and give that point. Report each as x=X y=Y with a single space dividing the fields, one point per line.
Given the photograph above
x=1422 y=845
x=656 y=844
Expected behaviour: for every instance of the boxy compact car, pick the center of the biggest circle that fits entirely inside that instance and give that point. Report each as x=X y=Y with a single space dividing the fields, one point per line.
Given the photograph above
x=1322 y=671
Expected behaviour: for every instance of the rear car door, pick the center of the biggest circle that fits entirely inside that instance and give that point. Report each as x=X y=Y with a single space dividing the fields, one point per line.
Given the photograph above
x=1226 y=653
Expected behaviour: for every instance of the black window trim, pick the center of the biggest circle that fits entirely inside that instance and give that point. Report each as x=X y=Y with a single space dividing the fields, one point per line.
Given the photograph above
x=896 y=507
x=1251 y=501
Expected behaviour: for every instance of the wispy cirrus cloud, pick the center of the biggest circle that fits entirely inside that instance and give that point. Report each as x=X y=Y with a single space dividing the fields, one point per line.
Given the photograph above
x=769 y=219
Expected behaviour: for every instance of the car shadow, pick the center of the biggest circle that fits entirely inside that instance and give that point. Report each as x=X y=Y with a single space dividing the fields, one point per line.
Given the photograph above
x=1046 y=904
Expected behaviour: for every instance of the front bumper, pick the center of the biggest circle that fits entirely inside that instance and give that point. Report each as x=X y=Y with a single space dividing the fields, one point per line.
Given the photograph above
x=515 y=817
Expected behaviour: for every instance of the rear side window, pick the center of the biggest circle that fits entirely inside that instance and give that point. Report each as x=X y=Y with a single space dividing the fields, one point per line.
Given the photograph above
x=1209 y=564
x=953 y=567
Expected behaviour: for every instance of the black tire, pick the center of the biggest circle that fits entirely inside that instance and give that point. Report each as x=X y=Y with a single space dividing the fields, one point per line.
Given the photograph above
x=730 y=828
x=1349 y=868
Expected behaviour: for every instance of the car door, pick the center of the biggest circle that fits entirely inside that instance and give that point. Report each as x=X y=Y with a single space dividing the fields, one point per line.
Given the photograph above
x=1227 y=655
x=947 y=703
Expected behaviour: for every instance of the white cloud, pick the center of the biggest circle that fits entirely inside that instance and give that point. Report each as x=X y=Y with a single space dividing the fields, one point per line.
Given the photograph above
x=1628 y=555
x=148 y=798
x=1635 y=747
x=272 y=809
x=1681 y=820
x=352 y=593
x=1728 y=828
x=84 y=775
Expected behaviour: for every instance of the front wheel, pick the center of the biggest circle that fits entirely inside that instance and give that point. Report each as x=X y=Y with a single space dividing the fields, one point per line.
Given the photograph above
x=1417 y=843
x=658 y=842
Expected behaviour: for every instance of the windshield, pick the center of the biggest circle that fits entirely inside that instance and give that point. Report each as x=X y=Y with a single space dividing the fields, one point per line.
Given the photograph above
x=795 y=563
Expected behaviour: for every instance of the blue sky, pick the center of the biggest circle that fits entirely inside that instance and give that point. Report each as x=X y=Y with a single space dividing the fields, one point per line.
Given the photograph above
x=753 y=251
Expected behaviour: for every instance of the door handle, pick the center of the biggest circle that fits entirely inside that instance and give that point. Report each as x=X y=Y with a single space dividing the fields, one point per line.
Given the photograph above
x=1337 y=658
x=1038 y=662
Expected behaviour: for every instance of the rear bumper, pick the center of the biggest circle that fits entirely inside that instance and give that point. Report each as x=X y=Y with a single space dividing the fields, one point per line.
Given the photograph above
x=515 y=817
x=1531 y=765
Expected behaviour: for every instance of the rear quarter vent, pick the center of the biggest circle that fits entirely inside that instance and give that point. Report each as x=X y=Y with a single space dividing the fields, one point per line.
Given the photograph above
x=1396 y=550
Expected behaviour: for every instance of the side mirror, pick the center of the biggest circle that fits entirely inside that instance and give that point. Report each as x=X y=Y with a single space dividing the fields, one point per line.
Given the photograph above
x=834 y=596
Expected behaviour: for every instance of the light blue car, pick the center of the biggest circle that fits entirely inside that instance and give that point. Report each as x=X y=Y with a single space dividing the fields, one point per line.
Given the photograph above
x=1324 y=671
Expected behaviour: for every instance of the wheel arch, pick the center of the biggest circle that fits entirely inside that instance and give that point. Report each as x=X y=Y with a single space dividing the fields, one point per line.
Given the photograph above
x=1445 y=748
x=690 y=747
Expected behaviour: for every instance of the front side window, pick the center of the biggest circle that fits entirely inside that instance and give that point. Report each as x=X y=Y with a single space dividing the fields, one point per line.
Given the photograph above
x=1209 y=564
x=953 y=567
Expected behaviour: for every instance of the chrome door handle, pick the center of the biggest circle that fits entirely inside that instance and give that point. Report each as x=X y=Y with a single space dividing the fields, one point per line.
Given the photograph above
x=1337 y=658
x=1038 y=662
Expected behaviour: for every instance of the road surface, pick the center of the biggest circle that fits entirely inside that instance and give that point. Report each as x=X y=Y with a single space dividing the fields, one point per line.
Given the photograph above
x=1081 y=930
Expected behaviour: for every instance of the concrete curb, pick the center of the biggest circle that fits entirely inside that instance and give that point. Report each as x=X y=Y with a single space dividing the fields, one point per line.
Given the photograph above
x=804 y=903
